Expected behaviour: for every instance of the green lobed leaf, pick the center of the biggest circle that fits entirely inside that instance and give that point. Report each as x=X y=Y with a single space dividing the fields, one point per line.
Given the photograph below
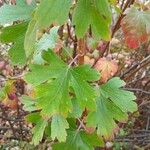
x=53 y=97
x=95 y=13
x=20 y=11
x=113 y=104
x=60 y=78
x=123 y=99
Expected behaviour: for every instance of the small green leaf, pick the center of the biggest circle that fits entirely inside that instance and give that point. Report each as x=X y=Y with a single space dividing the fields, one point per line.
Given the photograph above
x=103 y=7
x=15 y=34
x=47 y=41
x=81 y=17
x=123 y=99
x=29 y=104
x=33 y=117
x=20 y=11
x=58 y=128
x=38 y=131
x=54 y=11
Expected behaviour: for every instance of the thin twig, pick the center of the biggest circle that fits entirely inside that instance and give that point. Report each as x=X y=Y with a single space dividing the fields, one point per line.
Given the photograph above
x=81 y=50
x=73 y=60
x=134 y=66
x=81 y=124
x=137 y=90
x=69 y=33
x=136 y=70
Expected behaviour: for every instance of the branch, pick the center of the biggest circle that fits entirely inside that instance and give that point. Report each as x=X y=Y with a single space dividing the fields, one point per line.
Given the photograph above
x=81 y=51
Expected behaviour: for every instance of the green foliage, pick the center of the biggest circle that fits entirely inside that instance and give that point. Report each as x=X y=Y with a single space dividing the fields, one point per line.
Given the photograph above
x=111 y=104
x=96 y=14
x=64 y=92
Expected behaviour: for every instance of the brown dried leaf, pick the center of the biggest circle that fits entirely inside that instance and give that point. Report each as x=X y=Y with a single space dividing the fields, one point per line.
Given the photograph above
x=107 y=68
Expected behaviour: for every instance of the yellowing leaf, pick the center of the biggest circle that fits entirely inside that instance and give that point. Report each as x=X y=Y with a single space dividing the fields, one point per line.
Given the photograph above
x=107 y=68
x=9 y=98
x=10 y=101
